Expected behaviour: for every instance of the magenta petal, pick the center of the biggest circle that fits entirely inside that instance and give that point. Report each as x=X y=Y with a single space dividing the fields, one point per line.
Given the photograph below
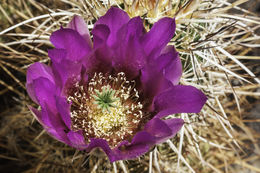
x=35 y=71
x=114 y=19
x=179 y=99
x=174 y=124
x=159 y=36
x=157 y=128
x=45 y=94
x=37 y=114
x=52 y=117
x=100 y=34
x=64 y=109
x=129 y=54
x=163 y=129
x=45 y=91
x=99 y=143
x=101 y=61
x=57 y=55
x=75 y=45
x=31 y=92
x=170 y=64
x=140 y=144
x=78 y=24
x=131 y=59
x=134 y=28
x=58 y=135
x=43 y=119
x=77 y=140
x=56 y=126
x=153 y=81
x=161 y=73
x=63 y=68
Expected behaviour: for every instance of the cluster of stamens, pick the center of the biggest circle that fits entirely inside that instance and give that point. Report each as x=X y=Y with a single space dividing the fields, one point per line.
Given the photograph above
x=106 y=107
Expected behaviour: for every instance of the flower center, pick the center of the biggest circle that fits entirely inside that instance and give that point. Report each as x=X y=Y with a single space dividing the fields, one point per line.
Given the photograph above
x=105 y=98
x=107 y=107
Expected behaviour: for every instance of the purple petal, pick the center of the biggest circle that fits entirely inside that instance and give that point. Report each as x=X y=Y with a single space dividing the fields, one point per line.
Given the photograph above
x=63 y=68
x=159 y=36
x=129 y=54
x=37 y=115
x=163 y=129
x=99 y=143
x=70 y=40
x=78 y=24
x=170 y=64
x=153 y=81
x=174 y=124
x=133 y=28
x=64 y=110
x=102 y=58
x=100 y=34
x=114 y=19
x=131 y=61
x=140 y=144
x=57 y=55
x=179 y=99
x=157 y=128
x=101 y=61
x=54 y=124
x=45 y=91
x=77 y=140
x=30 y=91
x=160 y=73
x=35 y=71
x=43 y=119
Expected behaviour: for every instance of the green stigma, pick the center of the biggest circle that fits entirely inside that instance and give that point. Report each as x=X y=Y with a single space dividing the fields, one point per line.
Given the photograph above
x=105 y=98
